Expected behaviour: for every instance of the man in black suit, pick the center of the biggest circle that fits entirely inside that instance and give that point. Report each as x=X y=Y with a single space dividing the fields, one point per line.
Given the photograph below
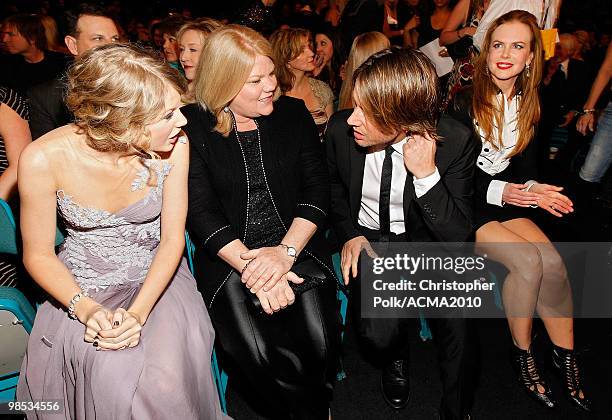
x=394 y=133
x=86 y=26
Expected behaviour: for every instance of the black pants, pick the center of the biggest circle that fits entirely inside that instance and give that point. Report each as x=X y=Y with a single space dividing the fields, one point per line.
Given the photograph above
x=388 y=339
x=290 y=358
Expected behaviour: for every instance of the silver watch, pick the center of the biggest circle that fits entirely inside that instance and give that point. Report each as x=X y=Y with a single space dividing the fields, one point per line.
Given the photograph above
x=291 y=251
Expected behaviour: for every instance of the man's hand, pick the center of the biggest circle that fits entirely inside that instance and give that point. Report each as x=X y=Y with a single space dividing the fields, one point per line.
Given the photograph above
x=420 y=155
x=350 y=256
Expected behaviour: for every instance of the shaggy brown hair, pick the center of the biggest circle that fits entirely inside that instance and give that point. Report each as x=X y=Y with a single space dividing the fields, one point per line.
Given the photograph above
x=398 y=90
x=30 y=27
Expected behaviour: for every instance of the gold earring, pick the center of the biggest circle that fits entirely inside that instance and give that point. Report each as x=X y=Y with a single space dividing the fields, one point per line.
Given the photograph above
x=527 y=71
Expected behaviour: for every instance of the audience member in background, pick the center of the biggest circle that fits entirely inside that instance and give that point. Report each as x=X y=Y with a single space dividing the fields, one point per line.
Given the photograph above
x=397 y=22
x=14 y=137
x=357 y=19
x=433 y=20
x=565 y=88
x=120 y=283
x=304 y=16
x=168 y=28
x=457 y=38
x=86 y=26
x=52 y=35
x=329 y=57
x=330 y=10
x=30 y=62
x=545 y=12
x=258 y=15
x=190 y=39
x=599 y=158
x=503 y=108
x=258 y=198
x=363 y=47
x=583 y=45
x=294 y=61
x=155 y=34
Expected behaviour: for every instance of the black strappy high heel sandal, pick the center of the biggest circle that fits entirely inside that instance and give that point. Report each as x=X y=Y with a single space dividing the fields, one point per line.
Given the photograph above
x=566 y=364
x=529 y=377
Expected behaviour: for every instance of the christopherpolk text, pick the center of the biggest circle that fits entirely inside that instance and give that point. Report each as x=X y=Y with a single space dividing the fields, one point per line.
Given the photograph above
x=431 y=285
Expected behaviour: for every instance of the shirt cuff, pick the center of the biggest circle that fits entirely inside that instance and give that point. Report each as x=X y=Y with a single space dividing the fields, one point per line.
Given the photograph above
x=495 y=192
x=422 y=185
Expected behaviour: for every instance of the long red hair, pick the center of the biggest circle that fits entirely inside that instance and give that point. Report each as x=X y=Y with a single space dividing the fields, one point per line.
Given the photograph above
x=487 y=111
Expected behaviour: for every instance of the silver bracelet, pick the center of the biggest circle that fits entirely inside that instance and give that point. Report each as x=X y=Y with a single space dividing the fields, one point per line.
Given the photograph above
x=73 y=301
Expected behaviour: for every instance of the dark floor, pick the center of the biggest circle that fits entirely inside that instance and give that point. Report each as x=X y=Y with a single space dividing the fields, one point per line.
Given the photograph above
x=498 y=395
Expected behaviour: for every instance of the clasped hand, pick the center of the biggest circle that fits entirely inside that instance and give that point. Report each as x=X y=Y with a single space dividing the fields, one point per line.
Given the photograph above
x=112 y=330
x=545 y=196
x=267 y=274
x=265 y=268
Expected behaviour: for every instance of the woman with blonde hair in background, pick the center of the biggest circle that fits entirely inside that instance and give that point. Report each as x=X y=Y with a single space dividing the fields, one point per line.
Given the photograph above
x=118 y=177
x=190 y=40
x=52 y=35
x=363 y=47
x=294 y=62
x=503 y=107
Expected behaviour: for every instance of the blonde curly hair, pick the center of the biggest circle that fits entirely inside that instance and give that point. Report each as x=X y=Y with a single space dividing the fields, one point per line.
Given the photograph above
x=115 y=91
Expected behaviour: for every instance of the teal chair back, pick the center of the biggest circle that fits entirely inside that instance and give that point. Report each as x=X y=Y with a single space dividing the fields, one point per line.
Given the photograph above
x=16 y=312
x=8 y=231
x=218 y=374
x=8 y=235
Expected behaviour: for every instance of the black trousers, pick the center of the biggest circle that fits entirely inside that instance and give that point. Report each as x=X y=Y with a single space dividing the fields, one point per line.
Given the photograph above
x=388 y=339
x=290 y=358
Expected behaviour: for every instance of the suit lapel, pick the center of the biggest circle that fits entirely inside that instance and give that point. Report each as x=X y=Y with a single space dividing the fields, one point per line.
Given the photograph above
x=356 y=157
x=409 y=196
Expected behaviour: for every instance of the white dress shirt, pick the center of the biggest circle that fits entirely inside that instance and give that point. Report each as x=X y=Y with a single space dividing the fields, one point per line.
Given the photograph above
x=546 y=20
x=370 y=190
x=494 y=161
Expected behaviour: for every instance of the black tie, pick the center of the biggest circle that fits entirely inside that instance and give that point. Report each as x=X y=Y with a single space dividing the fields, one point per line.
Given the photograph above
x=385 y=195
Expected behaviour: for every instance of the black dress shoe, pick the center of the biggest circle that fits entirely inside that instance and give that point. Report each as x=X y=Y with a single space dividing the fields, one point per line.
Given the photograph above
x=395 y=384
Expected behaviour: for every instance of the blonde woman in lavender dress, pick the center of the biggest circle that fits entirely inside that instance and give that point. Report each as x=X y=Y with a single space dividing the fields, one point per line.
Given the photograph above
x=124 y=333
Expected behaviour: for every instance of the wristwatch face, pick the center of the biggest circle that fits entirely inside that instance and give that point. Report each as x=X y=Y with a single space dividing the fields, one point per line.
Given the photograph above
x=291 y=251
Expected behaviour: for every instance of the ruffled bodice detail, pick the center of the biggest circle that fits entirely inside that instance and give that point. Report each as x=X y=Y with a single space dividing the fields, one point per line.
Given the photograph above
x=103 y=248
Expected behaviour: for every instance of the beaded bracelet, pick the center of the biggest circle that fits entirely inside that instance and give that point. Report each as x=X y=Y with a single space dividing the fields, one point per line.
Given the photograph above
x=73 y=301
x=588 y=111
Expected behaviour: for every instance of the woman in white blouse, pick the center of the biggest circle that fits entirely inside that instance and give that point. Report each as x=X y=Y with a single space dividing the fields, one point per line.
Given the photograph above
x=503 y=107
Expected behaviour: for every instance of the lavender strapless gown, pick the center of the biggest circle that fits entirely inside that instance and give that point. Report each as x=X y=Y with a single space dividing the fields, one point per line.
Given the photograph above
x=168 y=374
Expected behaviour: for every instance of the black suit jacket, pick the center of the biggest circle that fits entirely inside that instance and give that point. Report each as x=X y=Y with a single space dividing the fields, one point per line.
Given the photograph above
x=295 y=171
x=444 y=213
x=566 y=94
x=48 y=109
